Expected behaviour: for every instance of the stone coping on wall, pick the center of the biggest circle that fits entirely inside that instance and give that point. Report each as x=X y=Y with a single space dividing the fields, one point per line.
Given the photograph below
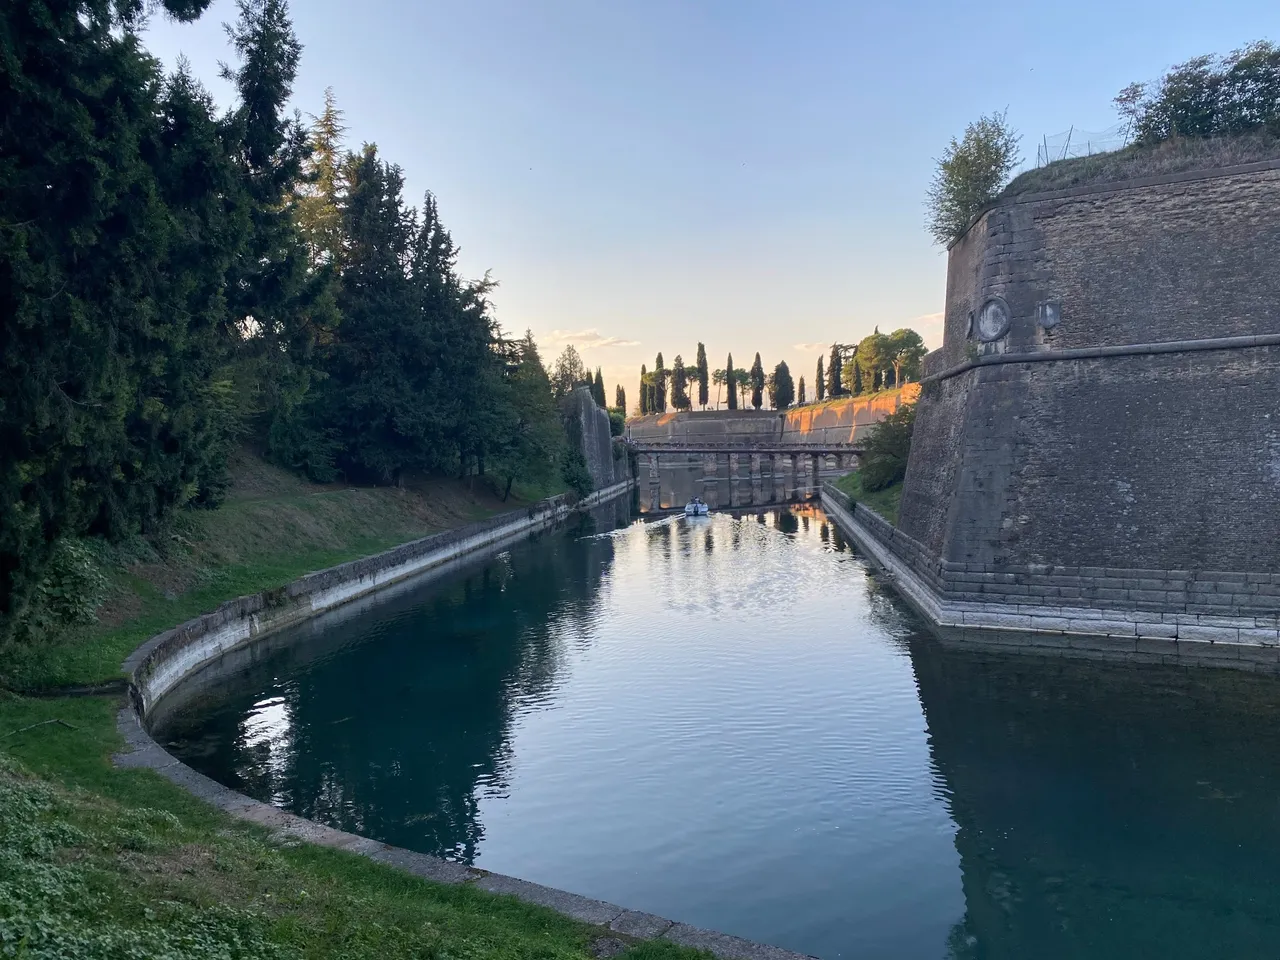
x=1116 y=186
x=163 y=661
x=1016 y=608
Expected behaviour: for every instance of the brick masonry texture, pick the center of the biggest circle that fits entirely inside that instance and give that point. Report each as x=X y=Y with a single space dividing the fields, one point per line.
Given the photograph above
x=1143 y=483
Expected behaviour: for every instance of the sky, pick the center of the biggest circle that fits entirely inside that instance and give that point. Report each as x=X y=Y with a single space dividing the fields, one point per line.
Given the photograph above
x=641 y=176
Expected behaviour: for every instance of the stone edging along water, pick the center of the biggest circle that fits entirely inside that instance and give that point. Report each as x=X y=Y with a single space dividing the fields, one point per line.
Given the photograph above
x=1086 y=632
x=166 y=659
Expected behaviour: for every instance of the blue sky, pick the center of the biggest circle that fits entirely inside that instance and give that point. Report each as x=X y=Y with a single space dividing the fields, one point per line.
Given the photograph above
x=643 y=175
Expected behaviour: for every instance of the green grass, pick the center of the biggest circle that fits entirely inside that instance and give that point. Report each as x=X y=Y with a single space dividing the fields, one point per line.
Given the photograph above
x=109 y=863
x=884 y=502
x=272 y=529
x=1176 y=155
x=106 y=863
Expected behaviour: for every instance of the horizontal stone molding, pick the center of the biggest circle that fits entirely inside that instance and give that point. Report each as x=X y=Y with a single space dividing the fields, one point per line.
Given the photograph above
x=1142 y=614
x=1114 y=350
x=165 y=660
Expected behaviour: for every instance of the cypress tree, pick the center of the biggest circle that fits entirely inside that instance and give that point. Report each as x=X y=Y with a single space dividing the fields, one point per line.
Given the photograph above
x=835 y=387
x=275 y=282
x=597 y=390
x=644 y=392
x=620 y=399
x=704 y=377
x=679 y=385
x=659 y=386
x=820 y=383
x=733 y=383
x=783 y=387
x=800 y=398
x=757 y=383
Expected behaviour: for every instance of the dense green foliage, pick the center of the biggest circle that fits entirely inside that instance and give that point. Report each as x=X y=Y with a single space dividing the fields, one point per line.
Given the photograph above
x=679 y=384
x=884 y=461
x=1208 y=96
x=835 y=367
x=971 y=173
x=820 y=382
x=782 y=390
x=597 y=390
x=175 y=282
x=800 y=397
x=882 y=361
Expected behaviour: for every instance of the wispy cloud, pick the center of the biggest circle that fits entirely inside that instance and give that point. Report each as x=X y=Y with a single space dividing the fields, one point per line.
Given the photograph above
x=810 y=347
x=589 y=338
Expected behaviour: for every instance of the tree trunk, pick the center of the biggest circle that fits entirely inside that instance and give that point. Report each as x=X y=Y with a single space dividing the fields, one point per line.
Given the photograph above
x=507 y=492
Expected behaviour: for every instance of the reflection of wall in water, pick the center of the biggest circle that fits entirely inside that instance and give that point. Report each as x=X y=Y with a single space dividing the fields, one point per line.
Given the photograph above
x=1106 y=810
x=671 y=479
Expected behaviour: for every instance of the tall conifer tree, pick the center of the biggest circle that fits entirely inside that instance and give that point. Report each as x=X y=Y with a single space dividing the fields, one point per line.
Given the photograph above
x=732 y=383
x=757 y=383
x=820 y=383
x=704 y=378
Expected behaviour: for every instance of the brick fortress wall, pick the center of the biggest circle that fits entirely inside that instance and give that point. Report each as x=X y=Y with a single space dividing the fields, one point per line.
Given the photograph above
x=1118 y=445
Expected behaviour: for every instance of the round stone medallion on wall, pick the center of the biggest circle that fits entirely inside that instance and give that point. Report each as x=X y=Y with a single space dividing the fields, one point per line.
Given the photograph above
x=993 y=319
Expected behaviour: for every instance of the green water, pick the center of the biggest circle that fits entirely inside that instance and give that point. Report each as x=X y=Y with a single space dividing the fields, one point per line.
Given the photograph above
x=729 y=721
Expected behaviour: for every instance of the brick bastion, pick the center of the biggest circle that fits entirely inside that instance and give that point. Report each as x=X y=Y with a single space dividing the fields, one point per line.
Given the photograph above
x=1096 y=458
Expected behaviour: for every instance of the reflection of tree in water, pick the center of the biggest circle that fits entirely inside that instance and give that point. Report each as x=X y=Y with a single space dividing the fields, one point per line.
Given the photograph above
x=401 y=730
x=1106 y=811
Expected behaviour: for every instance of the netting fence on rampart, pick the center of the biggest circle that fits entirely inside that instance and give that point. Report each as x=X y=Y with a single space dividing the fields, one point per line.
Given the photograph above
x=1081 y=143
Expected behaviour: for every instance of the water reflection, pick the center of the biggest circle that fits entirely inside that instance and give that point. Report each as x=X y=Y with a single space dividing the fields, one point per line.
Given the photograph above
x=1107 y=811
x=765 y=741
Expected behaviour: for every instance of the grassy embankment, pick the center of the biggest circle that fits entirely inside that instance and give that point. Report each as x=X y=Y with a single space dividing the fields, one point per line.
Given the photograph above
x=106 y=863
x=884 y=502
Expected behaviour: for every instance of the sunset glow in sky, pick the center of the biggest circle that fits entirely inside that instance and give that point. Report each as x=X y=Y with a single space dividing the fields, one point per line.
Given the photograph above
x=640 y=176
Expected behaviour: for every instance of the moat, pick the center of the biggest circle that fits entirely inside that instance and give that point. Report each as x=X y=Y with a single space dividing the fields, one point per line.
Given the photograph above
x=731 y=721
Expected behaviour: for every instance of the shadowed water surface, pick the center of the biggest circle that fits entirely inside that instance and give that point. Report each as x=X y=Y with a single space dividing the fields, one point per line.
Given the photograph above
x=727 y=721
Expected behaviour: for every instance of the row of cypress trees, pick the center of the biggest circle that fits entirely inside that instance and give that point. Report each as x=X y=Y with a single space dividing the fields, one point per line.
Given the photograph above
x=176 y=280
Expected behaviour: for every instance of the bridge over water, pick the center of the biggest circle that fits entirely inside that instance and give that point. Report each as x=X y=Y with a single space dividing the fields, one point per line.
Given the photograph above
x=741 y=472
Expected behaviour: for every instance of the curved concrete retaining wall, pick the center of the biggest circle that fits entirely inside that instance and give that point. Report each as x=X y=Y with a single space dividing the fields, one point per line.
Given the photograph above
x=160 y=663
x=165 y=660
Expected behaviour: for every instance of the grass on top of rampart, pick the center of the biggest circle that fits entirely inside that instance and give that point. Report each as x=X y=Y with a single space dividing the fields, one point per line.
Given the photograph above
x=884 y=502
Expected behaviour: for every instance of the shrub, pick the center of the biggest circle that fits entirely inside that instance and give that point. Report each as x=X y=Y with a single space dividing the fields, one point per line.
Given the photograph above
x=884 y=462
x=971 y=173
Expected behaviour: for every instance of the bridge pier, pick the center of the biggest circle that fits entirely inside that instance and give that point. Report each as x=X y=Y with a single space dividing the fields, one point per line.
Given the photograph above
x=757 y=485
x=655 y=483
x=710 y=479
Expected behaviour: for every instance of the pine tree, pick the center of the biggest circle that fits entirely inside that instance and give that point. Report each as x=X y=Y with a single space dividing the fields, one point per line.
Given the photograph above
x=645 y=409
x=820 y=383
x=597 y=390
x=835 y=386
x=703 y=376
x=800 y=398
x=534 y=443
x=316 y=207
x=659 y=386
x=732 y=382
x=757 y=383
x=679 y=385
x=123 y=211
x=280 y=306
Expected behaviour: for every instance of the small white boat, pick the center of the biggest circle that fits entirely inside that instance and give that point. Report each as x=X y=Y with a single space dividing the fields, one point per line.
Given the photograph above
x=696 y=508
